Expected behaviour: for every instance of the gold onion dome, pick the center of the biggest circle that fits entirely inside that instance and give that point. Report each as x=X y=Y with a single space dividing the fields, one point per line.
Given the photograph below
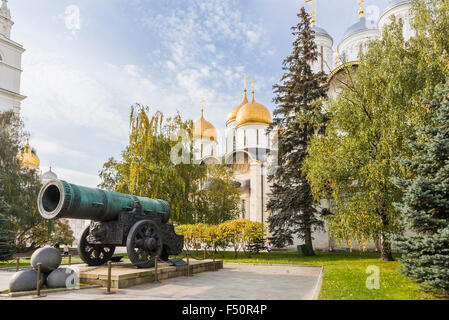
x=233 y=114
x=203 y=129
x=253 y=113
x=28 y=157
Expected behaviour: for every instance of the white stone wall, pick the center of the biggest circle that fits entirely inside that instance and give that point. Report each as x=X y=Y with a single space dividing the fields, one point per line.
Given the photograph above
x=204 y=148
x=400 y=11
x=324 y=45
x=9 y=101
x=230 y=133
x=350 y=47
x=78 y=227
x=256 y=136
x=10 y=65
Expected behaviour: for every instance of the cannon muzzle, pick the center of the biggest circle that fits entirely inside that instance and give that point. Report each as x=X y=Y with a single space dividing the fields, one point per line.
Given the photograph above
x=60 y=199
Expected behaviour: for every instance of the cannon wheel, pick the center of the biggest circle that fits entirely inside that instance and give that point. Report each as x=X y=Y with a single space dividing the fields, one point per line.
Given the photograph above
x=94 y=254
x=144 y=243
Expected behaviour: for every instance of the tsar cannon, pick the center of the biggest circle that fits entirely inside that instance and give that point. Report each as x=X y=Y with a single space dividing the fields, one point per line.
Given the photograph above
x=117 y=219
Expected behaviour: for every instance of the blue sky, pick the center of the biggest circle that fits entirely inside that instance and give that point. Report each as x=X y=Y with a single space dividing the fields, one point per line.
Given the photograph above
x=86 y=62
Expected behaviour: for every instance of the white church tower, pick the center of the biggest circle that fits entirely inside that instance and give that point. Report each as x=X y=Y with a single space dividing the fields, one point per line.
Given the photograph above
x=10 y=64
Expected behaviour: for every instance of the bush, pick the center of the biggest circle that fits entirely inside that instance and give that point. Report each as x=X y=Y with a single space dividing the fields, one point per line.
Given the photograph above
x=241 y=235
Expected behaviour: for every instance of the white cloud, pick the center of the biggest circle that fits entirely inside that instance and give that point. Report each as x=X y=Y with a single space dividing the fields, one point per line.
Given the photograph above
x=77 y=177
x=210 y=47
x=253 y=37
x=62 y=93
x=171 y=65
x=132 y=70
x=53 y=148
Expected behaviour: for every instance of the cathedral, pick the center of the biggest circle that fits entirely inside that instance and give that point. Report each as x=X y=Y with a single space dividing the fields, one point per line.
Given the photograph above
x=252 y=152
x=10 y=75
x=11 y=98
x=10 y=64
x=248 y=147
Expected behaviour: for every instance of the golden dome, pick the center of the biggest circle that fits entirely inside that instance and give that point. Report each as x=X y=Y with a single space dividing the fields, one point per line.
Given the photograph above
x=28 y=157
x=233 y=114
x=204 y=129
x=253 y=113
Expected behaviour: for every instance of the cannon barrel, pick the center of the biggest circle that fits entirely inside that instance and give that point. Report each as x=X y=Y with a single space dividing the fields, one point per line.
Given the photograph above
x=60 y=199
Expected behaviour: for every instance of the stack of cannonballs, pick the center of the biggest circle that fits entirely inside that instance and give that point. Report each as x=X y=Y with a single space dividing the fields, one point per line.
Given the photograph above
x=51 y=274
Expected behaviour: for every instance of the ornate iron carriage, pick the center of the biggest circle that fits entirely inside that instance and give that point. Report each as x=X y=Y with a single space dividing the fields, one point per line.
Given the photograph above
x=117 y=219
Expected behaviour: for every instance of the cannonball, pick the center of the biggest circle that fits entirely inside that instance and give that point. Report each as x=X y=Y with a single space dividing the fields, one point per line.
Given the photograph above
x=58 y=278
x=50 y=258
x=25 y=281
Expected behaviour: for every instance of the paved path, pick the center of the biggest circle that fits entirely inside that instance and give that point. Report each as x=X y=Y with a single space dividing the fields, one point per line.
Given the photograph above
x=4 y=279
x=235 y=281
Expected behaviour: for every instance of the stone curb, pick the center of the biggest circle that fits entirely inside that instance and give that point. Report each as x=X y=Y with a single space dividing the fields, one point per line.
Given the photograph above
x=275 y=264
x=317 y=289
x=31 y=293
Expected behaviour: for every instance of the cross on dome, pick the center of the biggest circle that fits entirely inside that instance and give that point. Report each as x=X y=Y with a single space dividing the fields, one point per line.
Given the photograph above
x=313 y=13
x=361 y=11
x=202 y=106
x=252 y=87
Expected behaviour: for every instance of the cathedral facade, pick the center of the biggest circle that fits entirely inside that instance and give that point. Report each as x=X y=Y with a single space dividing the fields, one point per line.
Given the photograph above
x=248 y=148
x=10 y=64
x=252 y=152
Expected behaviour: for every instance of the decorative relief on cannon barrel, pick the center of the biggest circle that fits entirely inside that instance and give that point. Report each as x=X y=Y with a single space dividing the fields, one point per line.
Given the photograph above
x=118 y=219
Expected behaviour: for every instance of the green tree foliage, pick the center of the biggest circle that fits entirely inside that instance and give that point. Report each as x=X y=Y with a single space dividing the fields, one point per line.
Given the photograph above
x=152 y=167
x=41 y=235
x=219 y=200
x=378 y=109
x=425 y=206
x=239 y=234
x=430 y=43
x=21 y=186
x=298 y=110
x=6 y=242
x=147 y=168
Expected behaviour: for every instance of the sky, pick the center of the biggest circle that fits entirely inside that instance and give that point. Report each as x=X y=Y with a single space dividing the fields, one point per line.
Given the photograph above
x=87 y=61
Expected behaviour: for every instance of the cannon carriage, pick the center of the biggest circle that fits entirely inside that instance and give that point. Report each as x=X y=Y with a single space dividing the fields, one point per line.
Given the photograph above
x=117 y=219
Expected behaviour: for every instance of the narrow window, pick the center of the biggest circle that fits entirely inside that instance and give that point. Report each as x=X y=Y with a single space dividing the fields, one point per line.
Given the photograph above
x=244 y=138
x=257 y=132
x=243 y=209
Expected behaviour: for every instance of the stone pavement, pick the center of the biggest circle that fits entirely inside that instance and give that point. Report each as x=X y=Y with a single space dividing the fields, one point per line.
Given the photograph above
x=234 y=281
x=4 y=279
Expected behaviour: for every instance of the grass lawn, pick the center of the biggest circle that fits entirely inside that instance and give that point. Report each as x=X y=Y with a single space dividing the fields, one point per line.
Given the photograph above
x=345 y=274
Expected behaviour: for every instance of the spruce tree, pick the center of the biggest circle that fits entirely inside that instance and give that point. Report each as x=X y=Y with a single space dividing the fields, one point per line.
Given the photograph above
x=6 y=246
x=295 y=119
x=425 y=204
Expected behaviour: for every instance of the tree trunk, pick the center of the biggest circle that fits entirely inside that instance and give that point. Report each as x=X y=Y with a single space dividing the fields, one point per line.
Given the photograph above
x=308 y=242
x=385 y=245
x=385 y=248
